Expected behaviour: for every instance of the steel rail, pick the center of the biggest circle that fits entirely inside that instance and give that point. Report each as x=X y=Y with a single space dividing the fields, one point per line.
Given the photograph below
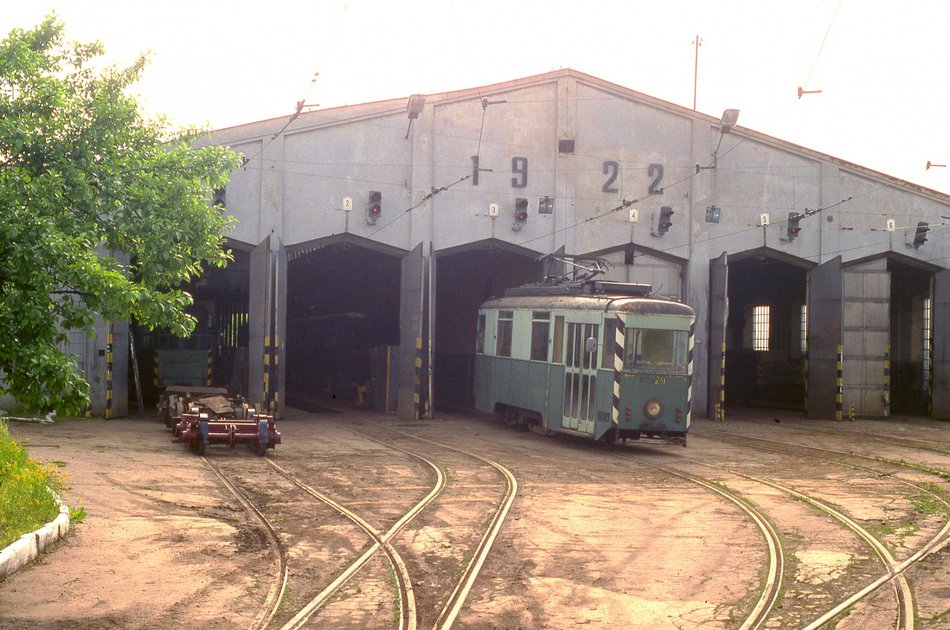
x=905 y=612
x=873 y=458
x=462 y=588
x=773 y=582
x=317 y=602
x=276 y=592
x=930 y=447
x=407 y=602
x=772 y=588
x=895 y=570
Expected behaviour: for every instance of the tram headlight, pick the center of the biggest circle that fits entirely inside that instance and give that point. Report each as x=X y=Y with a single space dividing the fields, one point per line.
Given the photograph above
x=653 y=409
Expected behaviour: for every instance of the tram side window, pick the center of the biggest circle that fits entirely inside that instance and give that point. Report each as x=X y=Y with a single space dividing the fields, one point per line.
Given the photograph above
x=649 y=349
x=503 y=341
x=610 y=348
x=540 y=325
x=557 y=354
x=480 y=335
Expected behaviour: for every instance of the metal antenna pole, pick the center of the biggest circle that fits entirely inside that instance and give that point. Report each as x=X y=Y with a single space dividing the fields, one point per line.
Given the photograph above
x=699 y=42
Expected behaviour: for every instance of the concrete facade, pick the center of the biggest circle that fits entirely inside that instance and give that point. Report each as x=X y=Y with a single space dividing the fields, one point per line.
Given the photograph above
x=596 y=163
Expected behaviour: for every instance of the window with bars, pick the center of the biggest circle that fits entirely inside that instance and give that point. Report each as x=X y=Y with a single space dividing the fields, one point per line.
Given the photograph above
x=804 y=330
x=760 y=328
x=926 y=337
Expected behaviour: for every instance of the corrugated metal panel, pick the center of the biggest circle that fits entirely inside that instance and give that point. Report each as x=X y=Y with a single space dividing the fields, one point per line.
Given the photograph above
x=258 y=319
x=824 y=337
x=866 y=328
x=718 y=316
x=410 y=333
x=941 y=346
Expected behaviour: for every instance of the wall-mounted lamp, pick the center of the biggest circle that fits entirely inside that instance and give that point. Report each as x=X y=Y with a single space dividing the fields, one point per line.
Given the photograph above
x=729 y=119
x=726 y=123
x=414 y=107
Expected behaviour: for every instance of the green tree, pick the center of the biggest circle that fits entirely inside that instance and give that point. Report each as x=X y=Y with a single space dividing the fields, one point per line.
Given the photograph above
x=102 y=211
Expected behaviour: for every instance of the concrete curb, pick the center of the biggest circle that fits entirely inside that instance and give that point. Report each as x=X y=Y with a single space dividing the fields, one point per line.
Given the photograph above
x=29 y=546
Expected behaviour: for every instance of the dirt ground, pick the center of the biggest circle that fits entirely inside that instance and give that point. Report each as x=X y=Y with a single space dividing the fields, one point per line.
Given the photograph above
x=598 y=536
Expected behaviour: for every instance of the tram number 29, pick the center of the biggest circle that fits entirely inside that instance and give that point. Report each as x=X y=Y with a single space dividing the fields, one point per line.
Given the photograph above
x=656 y=380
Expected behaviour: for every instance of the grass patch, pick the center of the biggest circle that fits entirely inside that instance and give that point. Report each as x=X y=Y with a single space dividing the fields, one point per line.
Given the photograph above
x=26 y=503
x=932 y=502
x=77 y=515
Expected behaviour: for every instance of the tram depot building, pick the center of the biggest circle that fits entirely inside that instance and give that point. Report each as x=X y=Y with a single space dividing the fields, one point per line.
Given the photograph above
x=368 y=235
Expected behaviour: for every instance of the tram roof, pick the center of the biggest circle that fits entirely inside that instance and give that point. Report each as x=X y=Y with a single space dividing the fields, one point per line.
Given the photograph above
x=606 y=303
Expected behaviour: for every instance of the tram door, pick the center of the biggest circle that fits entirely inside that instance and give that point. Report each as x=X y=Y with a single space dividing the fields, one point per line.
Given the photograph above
x=580 y=377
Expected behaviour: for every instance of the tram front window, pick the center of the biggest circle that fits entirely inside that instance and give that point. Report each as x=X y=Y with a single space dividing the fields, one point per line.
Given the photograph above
x=648 y=349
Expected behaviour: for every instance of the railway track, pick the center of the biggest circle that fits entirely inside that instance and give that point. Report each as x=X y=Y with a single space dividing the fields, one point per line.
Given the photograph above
x=456 y=599
x=770 y=594
x=380 y=541
x=895 y=571
x=279 y=585
x=772 y=585
x=406 y=598
x=940 y=447
x=643 y=540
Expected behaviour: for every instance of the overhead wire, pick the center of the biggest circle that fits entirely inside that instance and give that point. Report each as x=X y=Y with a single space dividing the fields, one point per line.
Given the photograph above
x=824 y=40
x=623 y=204
x=302 y=102
x=427 y=197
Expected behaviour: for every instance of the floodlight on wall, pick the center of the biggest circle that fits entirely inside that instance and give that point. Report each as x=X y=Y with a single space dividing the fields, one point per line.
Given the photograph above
x=726 y=123
x=414 y=107
x=729 y=119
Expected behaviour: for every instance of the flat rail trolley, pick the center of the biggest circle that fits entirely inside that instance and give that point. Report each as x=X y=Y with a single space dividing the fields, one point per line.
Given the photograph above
x=597 y=359
x=216 y=419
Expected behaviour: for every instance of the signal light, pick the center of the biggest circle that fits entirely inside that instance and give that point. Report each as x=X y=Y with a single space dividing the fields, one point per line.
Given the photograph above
x=792 y=227
x=920 y=237
x=375 y=207
x=521 y=213
x=666 y=220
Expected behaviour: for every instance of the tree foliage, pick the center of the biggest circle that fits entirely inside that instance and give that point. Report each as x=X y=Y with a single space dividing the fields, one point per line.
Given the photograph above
x=102 y=211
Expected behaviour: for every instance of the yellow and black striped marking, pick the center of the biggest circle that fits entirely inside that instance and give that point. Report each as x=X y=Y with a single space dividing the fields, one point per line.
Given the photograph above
x=721 y=411
x=109 y=341
x=887 y=380
x=208 y=374
x=417 y=380
x=839 y=383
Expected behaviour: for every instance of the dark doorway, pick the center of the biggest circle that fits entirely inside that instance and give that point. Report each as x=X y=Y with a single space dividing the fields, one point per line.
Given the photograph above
x=465 y=279
x=766 y=331
x=216 y=352
x=342 y=322
x=910 y=338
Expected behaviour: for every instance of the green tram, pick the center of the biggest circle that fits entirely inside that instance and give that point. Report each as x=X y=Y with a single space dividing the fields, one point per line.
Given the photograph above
x=597 y=359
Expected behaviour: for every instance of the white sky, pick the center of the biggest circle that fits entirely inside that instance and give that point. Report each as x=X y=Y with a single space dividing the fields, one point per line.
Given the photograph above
x=882 y=66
